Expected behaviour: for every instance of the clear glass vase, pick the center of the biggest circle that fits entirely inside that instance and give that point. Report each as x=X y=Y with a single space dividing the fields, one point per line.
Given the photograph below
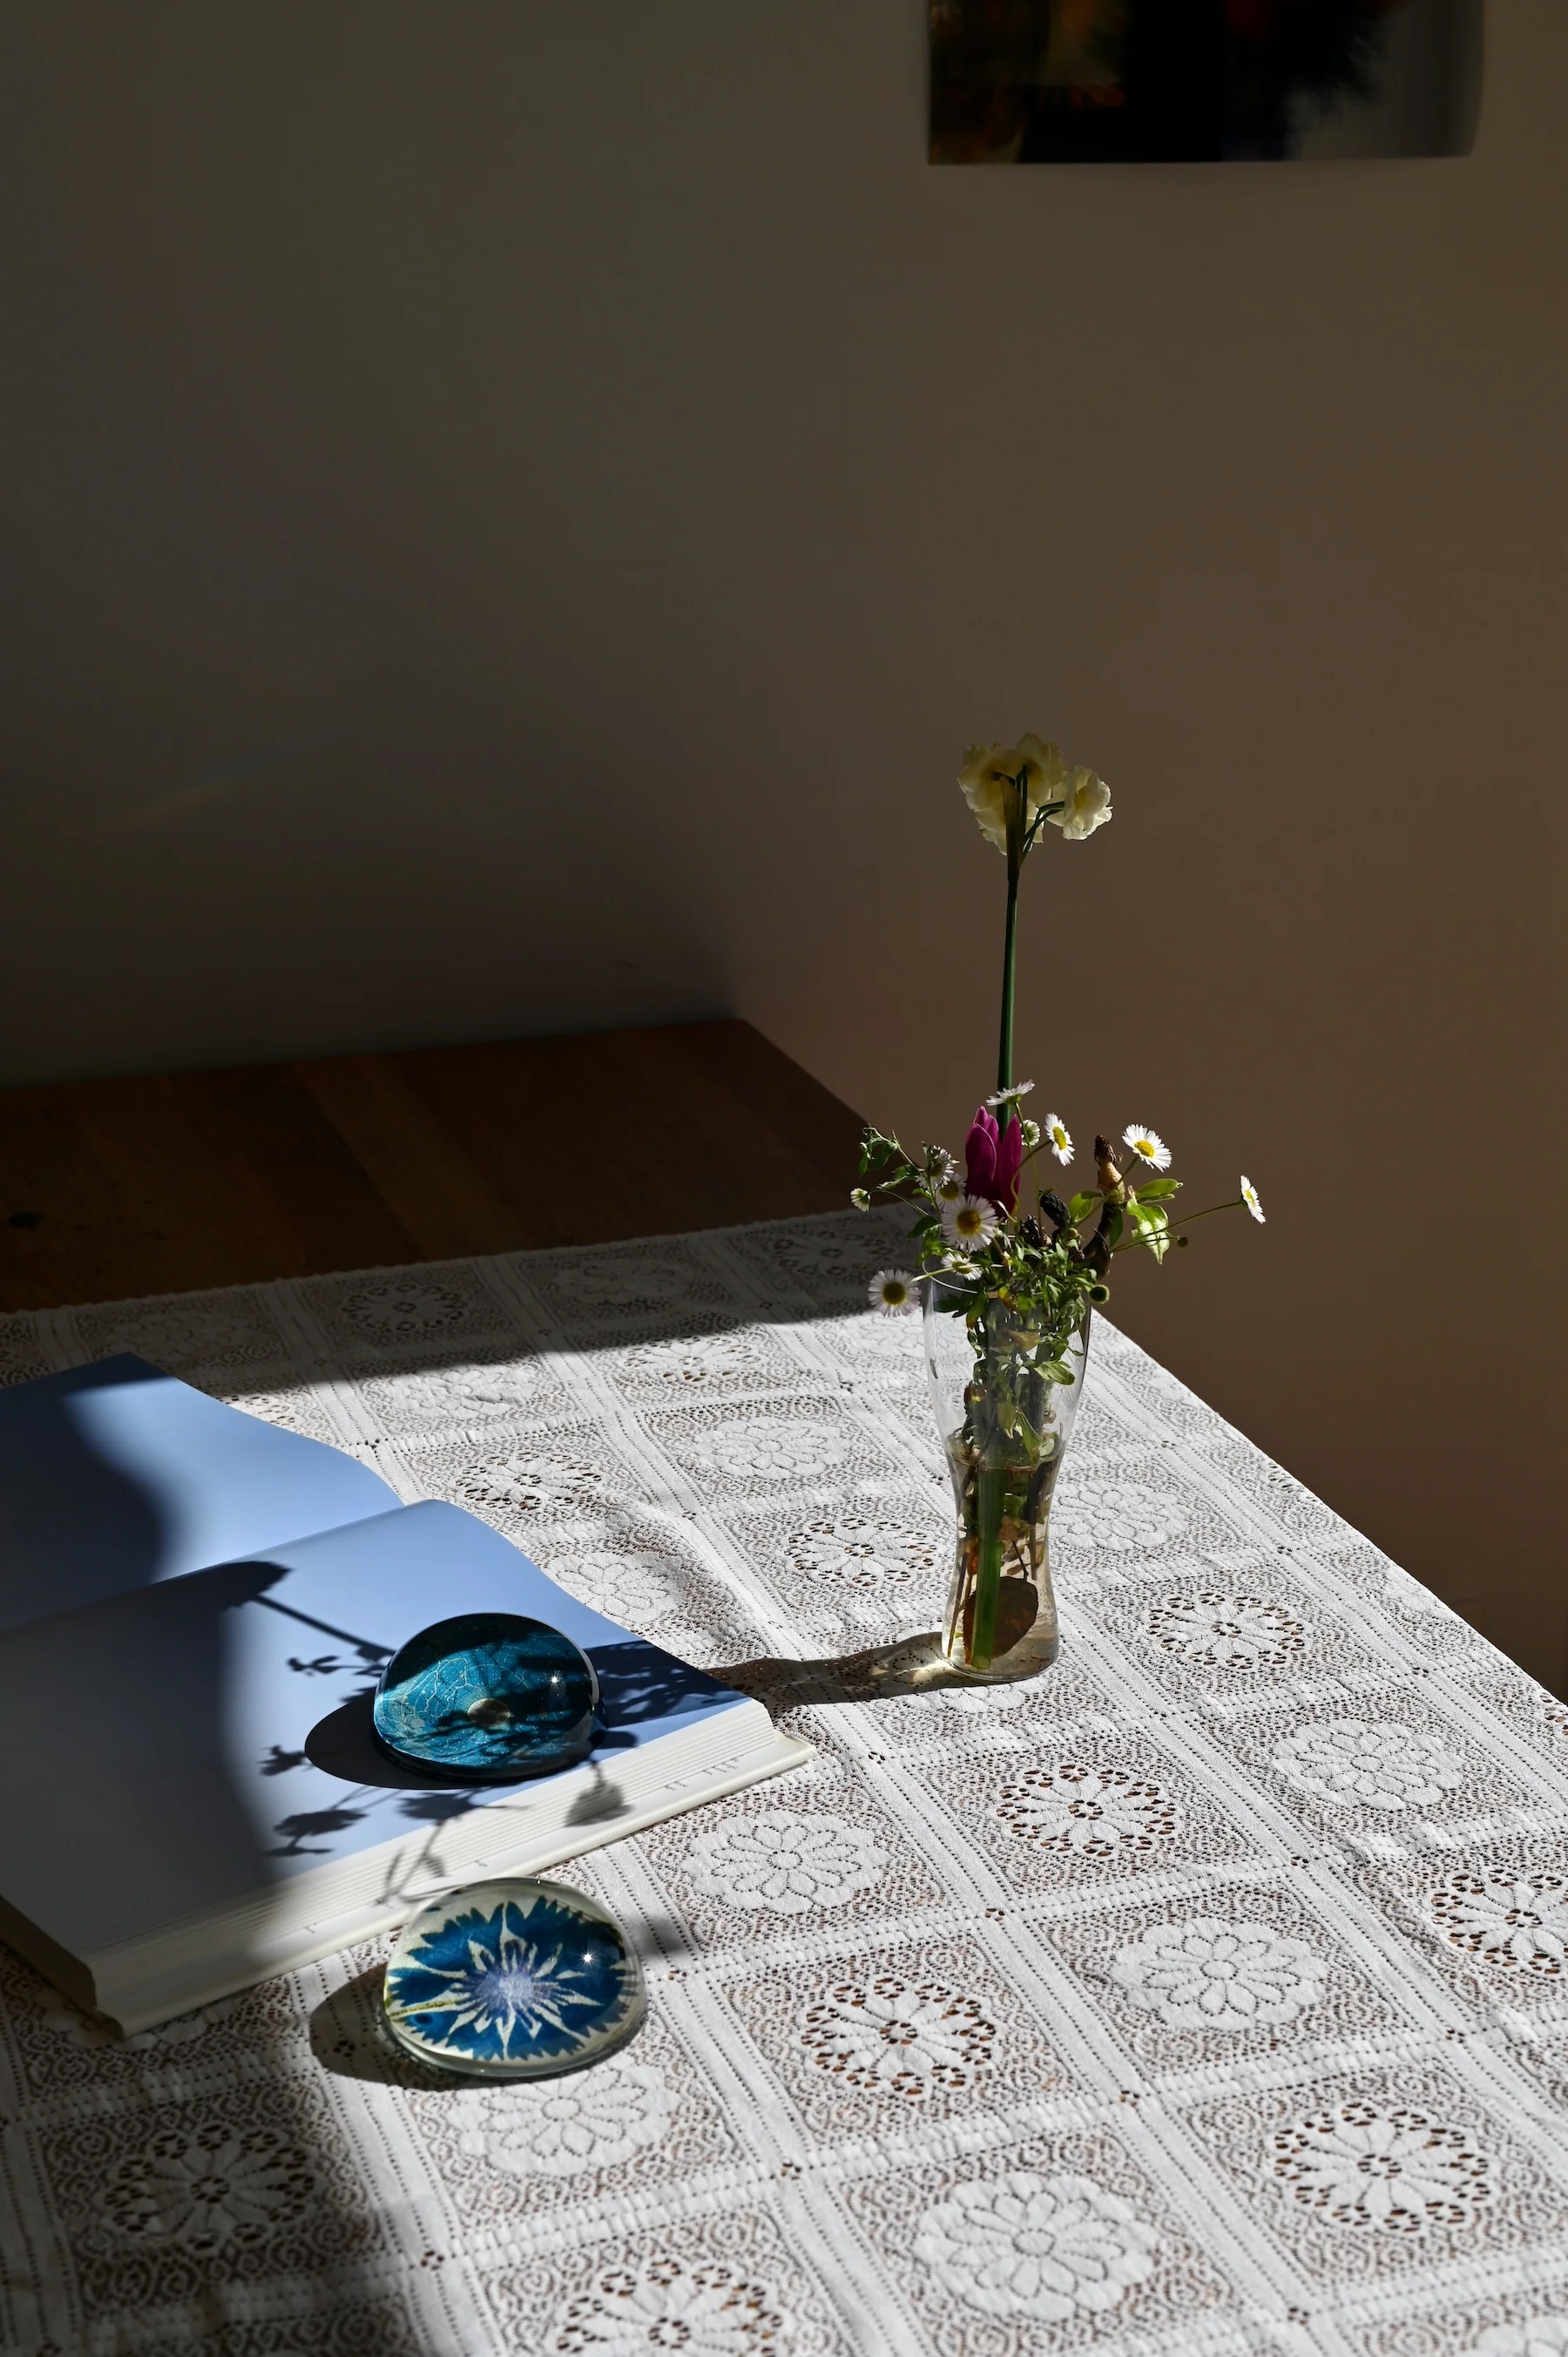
x=1004 y=1431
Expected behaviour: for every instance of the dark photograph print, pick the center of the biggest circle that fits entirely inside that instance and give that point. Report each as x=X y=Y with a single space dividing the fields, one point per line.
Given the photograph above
x=1107 y=81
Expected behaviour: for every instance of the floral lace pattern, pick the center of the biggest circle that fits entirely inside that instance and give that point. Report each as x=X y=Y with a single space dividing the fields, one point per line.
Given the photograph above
x=1519 y=1924
x=591 y=2119
x=1044 y=2248
x=1225 y=1631
x=1352 y=1764
x=1207 y=1994
x=1395 y=2171
x=1093 y=1811
x=1208 y=1973
x=785 y=1864
x=707 y=2310
x=907 y=2039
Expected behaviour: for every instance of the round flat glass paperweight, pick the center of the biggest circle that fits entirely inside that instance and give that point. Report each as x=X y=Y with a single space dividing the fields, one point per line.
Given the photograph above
x=488 y=1696
x=513 y=1980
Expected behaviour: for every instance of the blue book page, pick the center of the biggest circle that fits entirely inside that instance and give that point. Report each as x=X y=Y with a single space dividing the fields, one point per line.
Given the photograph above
x=115 y=1476
x=193 y=1745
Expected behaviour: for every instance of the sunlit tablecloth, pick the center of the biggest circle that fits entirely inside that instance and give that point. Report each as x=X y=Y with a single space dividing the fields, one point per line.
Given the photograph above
x=1209 y=1994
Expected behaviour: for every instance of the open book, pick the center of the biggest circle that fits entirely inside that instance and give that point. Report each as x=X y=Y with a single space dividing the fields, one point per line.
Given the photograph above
x=194 y=1609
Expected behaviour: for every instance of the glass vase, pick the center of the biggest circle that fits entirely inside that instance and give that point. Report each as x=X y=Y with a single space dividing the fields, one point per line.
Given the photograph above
x=1004 y=1431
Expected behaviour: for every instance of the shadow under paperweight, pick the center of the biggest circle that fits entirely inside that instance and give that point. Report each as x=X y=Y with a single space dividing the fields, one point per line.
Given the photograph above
x=513 y=1980
x=488 y=1696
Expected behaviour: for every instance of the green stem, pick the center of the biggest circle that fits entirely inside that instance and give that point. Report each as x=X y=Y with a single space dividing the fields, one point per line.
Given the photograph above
x=1009 y=958
x=990 y=1487
x=1236 y=1203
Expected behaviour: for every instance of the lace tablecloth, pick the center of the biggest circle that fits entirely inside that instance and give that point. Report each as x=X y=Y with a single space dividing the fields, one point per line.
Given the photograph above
x=1209 y=1994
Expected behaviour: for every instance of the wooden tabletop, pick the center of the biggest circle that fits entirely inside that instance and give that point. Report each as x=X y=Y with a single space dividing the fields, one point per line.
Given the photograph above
x=111 y=1189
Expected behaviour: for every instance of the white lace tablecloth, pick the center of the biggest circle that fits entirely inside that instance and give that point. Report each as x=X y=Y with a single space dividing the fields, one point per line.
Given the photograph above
x=1209 y=1994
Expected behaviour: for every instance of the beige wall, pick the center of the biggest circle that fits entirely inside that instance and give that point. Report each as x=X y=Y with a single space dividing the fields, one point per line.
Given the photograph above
x=512 y=513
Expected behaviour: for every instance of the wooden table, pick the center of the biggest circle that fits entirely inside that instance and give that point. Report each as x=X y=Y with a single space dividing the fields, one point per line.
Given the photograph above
x=117 y=1188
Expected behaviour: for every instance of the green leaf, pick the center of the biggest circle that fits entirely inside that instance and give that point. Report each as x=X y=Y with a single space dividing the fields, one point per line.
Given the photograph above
x=1080 y=1207
x=1058 y=1371
x=1157 y=1188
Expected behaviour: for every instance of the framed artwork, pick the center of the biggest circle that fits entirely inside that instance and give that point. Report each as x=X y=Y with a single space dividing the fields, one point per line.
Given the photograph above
x=1107 y=81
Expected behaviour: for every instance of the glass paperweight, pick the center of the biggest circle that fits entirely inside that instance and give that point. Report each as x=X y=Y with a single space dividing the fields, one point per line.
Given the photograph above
x=513 y=1980
x=491 y=1696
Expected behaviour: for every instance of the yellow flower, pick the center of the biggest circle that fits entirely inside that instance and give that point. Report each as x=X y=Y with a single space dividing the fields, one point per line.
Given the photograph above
x=1085 y=803
x=988 y=778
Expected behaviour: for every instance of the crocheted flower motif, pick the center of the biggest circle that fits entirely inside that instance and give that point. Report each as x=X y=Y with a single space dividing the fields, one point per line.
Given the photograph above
x=1353 y=1763
x=1125 y=1516
x=394 y=1306
x=448 y=1395
x=1094 y=1811
x=1043 y=2247
x=853 y=1553
x=703 y=2311
x=222 y=2186
x=591 y=2119
x=1520 y=1922
x=899 y=2037
x=1208 y=1975
x=637 y=1587
x=1396 y=2172
x=784 y=1864
x=1216 y=1631
x=774 y=1448
x=690 y=1362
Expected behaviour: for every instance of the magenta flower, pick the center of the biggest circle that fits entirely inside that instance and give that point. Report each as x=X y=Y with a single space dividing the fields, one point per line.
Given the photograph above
x=979 y=1155
x=992 y=1157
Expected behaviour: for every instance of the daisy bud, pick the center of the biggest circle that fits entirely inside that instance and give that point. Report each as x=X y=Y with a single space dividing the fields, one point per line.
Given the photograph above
x=1099 y=1294
x=860 y=1199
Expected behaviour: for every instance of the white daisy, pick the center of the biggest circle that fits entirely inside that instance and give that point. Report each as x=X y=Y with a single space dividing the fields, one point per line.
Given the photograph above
x=1250 y=1196
x=1031 y=1130
x=970 y=1222
x=1060 y=1136
x=892 y=1290
x=860 y=1199
x=959 y=1266
x=1148 y=1146
x=1010 y=1096
x=949 y=1187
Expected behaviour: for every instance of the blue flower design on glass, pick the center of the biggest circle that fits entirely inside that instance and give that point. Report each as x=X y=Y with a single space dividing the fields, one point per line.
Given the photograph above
x=490 y=1696
x=513 y=1980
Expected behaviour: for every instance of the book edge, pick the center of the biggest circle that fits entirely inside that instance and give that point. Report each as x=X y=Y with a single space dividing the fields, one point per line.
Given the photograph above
x=108 y=1980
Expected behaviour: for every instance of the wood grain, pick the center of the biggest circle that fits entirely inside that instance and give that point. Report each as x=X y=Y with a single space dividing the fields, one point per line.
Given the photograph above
x=111 y=1189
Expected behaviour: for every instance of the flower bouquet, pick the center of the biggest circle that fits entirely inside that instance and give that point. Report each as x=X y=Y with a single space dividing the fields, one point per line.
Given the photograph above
x=1011 y=1273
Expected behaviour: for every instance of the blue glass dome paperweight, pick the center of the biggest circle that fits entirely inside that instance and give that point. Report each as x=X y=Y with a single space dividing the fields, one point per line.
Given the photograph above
x=513 y=1980
x=489 y=1698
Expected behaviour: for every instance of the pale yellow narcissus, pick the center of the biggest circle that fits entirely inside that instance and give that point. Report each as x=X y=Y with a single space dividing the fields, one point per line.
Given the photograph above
x=987 y=779
x=1085 y=803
